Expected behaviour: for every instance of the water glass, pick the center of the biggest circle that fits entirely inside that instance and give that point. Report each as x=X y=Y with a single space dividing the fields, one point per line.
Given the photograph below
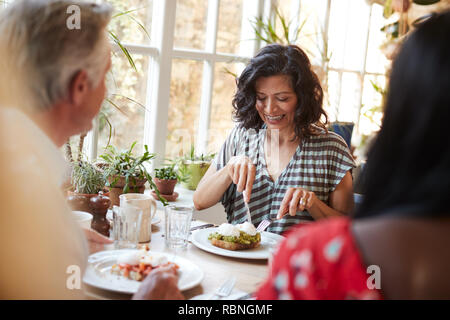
x=177 y=225
x=127 y=225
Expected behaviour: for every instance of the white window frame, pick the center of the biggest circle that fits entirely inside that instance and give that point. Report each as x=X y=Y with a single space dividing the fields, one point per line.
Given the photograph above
x=362 y=73
x=162 y=52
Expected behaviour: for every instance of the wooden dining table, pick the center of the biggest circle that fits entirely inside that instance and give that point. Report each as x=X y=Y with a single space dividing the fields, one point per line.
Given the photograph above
x=249 y=273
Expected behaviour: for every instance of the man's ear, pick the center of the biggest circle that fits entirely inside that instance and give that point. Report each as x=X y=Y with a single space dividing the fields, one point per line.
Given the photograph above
x=79 y=88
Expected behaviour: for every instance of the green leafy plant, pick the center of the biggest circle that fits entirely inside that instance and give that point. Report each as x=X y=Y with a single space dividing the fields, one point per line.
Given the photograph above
x=166 y=173
x=118 y=42
x=132 y=168
x=87 y=178
x=266 y=30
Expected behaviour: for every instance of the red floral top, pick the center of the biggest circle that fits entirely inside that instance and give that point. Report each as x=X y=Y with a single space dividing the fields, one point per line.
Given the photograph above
x=319 y=261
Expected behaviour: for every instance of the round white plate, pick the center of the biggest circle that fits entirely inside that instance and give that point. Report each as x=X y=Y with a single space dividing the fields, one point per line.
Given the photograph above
x=268 y=240
x=98 y=273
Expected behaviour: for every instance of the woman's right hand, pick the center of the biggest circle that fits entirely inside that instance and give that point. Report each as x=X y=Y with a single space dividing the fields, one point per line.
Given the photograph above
x=242 y=171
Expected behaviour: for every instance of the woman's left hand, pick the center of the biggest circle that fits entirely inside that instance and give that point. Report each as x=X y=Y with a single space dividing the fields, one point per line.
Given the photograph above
x=296 y=199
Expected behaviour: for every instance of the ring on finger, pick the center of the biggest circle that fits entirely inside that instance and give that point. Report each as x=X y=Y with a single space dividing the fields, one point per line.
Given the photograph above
x=302 y=201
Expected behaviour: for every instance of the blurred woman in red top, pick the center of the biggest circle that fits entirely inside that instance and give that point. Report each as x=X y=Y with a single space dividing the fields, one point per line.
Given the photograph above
x=397 y=245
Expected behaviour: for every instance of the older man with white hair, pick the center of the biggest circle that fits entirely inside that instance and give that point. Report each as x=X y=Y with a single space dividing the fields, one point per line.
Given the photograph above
x=52 y=84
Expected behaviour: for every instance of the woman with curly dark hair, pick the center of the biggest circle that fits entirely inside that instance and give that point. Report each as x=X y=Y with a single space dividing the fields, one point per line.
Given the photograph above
x=279 y=162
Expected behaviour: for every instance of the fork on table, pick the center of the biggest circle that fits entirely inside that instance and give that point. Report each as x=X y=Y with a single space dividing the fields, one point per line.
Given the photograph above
x=225 y=289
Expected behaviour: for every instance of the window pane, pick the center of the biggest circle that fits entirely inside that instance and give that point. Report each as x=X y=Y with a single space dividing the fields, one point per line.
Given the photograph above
x=285 y=8
x=135 y=25
x=229 y=27
x=221 y=121
x=312 y=36
x=190 y=24
x=347 y=33
x=350 y=97
x=344 y=96
x=331 y=103
x=126 y=90
x=376 y=60
x=185 y=95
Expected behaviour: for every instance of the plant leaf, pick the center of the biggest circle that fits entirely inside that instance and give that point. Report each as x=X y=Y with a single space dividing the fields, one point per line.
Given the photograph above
x=124 y=50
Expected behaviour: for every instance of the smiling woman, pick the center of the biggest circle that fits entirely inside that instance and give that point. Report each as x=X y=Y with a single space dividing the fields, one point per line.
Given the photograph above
x=279 y=162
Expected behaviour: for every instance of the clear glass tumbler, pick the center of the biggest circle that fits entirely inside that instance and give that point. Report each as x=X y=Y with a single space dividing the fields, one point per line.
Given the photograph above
x=127 y=225
x=177 y=225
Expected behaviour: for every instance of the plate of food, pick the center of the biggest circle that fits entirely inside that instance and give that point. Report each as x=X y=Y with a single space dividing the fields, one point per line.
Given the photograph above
x=124 y=270
x=237 y=241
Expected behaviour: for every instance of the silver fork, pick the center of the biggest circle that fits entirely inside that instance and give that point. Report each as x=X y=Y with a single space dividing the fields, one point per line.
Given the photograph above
x=225 y=289
x=249 y=216
x=263 y=225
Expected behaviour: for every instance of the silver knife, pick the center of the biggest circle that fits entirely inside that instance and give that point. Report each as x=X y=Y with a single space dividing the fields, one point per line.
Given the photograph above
x=209 y=225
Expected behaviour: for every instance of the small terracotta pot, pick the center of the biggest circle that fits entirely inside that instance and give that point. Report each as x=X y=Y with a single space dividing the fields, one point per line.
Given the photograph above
x=117 y=190
x=165 y=186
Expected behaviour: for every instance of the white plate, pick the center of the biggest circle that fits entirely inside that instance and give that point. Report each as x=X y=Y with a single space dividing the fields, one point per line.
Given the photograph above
x=98 y=273
x=268 y=240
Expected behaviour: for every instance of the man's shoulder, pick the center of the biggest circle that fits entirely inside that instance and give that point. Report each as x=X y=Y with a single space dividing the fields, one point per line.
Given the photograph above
x=28 y=148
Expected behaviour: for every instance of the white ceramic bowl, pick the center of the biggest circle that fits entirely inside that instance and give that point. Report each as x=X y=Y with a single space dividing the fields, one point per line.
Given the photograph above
x=84 y=219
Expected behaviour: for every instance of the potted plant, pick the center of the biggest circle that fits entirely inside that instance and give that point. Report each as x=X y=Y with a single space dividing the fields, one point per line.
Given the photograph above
x=165 y=180
x=125 y=172
x=87 y=181
x=192 y=168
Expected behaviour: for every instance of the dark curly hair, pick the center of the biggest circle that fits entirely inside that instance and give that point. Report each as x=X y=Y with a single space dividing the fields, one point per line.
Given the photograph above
x=287 y=60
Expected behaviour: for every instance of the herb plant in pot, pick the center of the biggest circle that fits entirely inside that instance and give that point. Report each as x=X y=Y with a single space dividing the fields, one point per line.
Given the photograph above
x=125 y=172
x=165 y=180
x=87 y=181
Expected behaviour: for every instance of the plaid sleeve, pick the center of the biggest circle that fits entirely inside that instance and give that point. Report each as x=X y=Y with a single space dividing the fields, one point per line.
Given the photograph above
x=340 y=160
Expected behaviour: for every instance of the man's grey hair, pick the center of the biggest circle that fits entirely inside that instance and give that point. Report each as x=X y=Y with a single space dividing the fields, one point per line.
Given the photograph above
x=41 y=52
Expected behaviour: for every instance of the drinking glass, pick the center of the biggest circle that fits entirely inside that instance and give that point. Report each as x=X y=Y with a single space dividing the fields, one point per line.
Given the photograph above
x=177 y=225
x=127 y=225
